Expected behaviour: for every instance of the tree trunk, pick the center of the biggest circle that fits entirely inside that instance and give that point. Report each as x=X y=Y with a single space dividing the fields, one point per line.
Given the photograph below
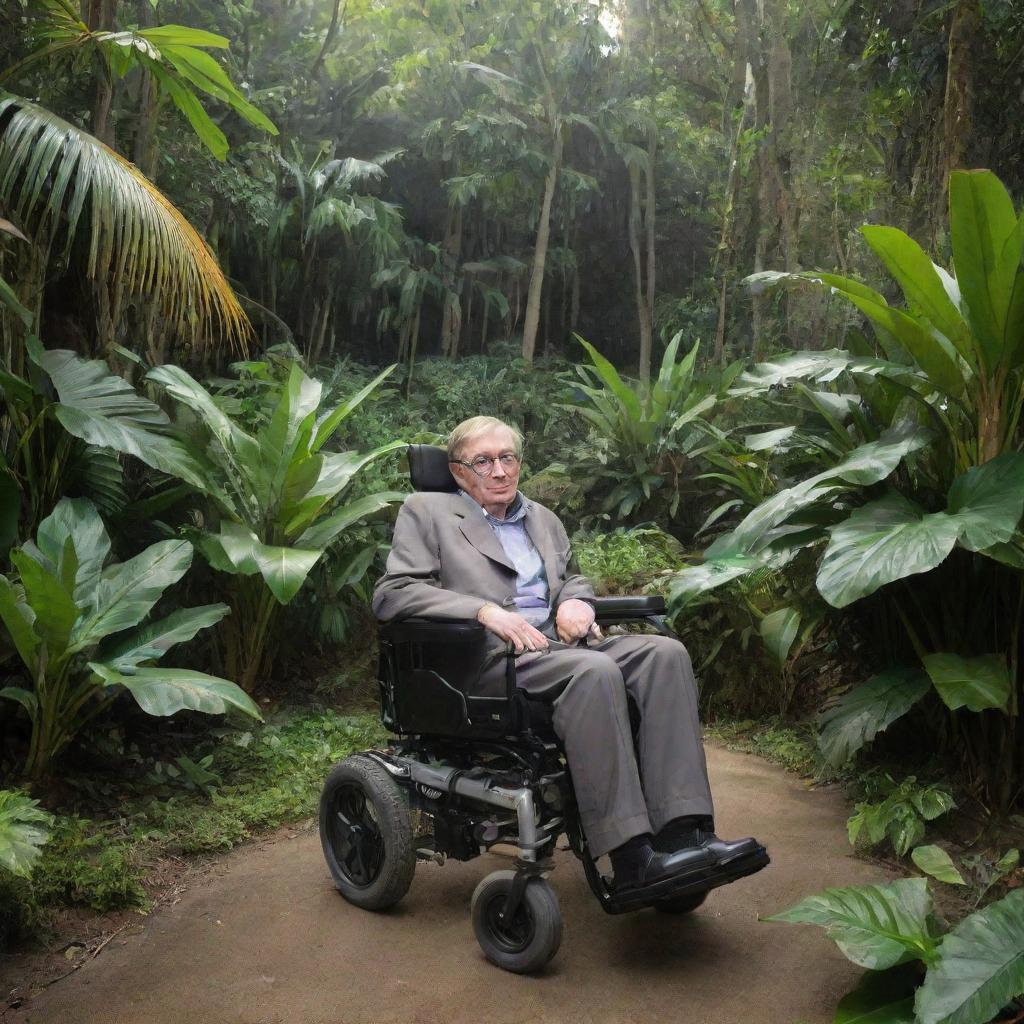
x=144 y=143
x=958 y=107
x=642 y=310
x=540 y=251
x=101 y=18
x=451 y=320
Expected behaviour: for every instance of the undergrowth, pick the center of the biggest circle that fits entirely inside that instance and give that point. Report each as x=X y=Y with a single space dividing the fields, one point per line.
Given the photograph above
x=229 y=785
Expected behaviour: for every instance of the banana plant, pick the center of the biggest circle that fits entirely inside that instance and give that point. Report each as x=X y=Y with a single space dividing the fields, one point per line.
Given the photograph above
x=76 y=621
x=277 y=492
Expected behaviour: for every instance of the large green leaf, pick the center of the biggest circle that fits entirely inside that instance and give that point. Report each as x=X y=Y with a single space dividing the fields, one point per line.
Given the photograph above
x=875 y=926
x=867 y=464
x=934 y=861
x=335 y=473
x=284 y=569
x=24 y=827
x=975 y=683
x=78 y=519
x=884 y=541
x=821 y=367
x=980 y=967
x=881 y=997
x=104 y=410
x=981 y=222
x=153 y=641
x=326 y=426
x=166 y=691
x=126 y=592
x=287 y=436
x=18 y=617
x=52 y=604
x=867 y=710
x=778 y=631
x=921 y=284
x=323 y=533
x=627 y=397
x=988 y=501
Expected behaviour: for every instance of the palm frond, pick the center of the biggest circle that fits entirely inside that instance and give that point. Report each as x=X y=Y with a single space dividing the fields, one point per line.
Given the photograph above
x=52 y=172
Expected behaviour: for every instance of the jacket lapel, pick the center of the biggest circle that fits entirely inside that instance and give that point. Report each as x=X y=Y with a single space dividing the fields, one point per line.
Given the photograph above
x=478 y=532
x=543 y=543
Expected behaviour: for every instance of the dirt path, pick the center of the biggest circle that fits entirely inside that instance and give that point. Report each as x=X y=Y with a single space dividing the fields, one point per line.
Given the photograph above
x=266 y=940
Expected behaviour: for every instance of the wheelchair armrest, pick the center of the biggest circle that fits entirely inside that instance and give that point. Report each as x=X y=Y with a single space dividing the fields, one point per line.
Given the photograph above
x=436 y=631
x=628 y=609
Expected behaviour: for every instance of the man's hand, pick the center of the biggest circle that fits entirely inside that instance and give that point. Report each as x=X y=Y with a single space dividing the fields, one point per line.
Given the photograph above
x=511 y=626
x=574 y=620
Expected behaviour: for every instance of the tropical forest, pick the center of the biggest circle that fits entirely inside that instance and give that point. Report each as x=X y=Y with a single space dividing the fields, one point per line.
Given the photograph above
x=748 y=276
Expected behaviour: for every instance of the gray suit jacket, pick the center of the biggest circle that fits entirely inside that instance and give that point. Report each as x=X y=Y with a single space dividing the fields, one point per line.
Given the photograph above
x=447 y=563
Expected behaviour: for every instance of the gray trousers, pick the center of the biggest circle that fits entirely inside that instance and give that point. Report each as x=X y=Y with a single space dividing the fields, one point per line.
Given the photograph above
x=624 y=791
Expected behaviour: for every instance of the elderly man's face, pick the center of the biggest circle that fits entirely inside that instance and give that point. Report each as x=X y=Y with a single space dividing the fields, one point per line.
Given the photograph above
x=494 y=492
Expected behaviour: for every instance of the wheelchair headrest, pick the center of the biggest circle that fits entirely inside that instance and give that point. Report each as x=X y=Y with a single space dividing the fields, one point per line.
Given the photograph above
x=428 y=468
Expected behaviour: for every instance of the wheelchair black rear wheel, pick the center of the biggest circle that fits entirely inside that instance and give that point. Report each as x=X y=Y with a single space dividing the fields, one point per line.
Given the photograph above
x=531 y=938
x=366 y=834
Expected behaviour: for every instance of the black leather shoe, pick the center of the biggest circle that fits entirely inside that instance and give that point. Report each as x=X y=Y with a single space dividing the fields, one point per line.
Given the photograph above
x=661 y=866
x=725 y=851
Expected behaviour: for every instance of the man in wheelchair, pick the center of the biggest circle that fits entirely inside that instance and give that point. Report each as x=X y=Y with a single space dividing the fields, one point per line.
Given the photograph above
x=470 y=549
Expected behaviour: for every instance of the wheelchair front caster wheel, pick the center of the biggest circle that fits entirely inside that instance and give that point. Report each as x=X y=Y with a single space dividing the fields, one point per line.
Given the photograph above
x=681 y=904
x=531 y=938
x=366 y=834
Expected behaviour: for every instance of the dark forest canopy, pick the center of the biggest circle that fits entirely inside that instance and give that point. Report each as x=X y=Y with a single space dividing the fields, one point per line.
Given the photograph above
x=452 y=174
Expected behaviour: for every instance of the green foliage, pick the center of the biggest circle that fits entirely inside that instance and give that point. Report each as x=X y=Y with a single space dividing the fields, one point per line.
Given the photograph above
x=24 y=828
x=972 y=971
x=625 y=560
x=151 y=802
x=61 y=613
x=900 y=815
x=648 y=429
x=276 y=490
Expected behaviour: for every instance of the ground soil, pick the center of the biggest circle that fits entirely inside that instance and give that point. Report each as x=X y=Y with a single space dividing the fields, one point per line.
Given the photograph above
x=261 y=937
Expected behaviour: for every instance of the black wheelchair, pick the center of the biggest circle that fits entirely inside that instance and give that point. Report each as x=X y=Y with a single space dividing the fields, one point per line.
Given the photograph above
x=465 y=774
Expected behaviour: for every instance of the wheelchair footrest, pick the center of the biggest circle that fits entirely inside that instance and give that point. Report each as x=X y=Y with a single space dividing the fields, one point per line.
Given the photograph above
x=700 y=880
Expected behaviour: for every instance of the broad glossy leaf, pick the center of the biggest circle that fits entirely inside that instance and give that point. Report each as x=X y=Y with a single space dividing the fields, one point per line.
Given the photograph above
x=980 y=967
x=988 y=501
x=981 y=221
x=921 y=284
x=336 y=471
x=24 y=827
x=770 y=440
x=17 y=618
x=286 y=437
x=875 y=926
x=867 y=710
x=166 y=691
x=626 y=396
x=77 y=519
x=812 y=366
x=778 y=631
x=884 y=541
x=934 y=861
x=975 y=683
x=867 y=464
x=323 y=533
x=326 y=427
x=154 y=640
x=126 y=592
x=52 y=604
x=284 y=569
x=881 y=997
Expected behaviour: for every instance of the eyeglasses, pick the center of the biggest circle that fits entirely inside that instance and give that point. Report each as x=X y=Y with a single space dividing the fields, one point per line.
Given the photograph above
x=483 y=465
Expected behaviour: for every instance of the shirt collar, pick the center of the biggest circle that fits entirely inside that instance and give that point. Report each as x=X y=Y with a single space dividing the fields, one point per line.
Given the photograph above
x=515 y=512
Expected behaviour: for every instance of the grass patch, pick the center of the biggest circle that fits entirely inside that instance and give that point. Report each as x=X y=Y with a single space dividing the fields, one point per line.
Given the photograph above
x=229 y=785
x=789 y=744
